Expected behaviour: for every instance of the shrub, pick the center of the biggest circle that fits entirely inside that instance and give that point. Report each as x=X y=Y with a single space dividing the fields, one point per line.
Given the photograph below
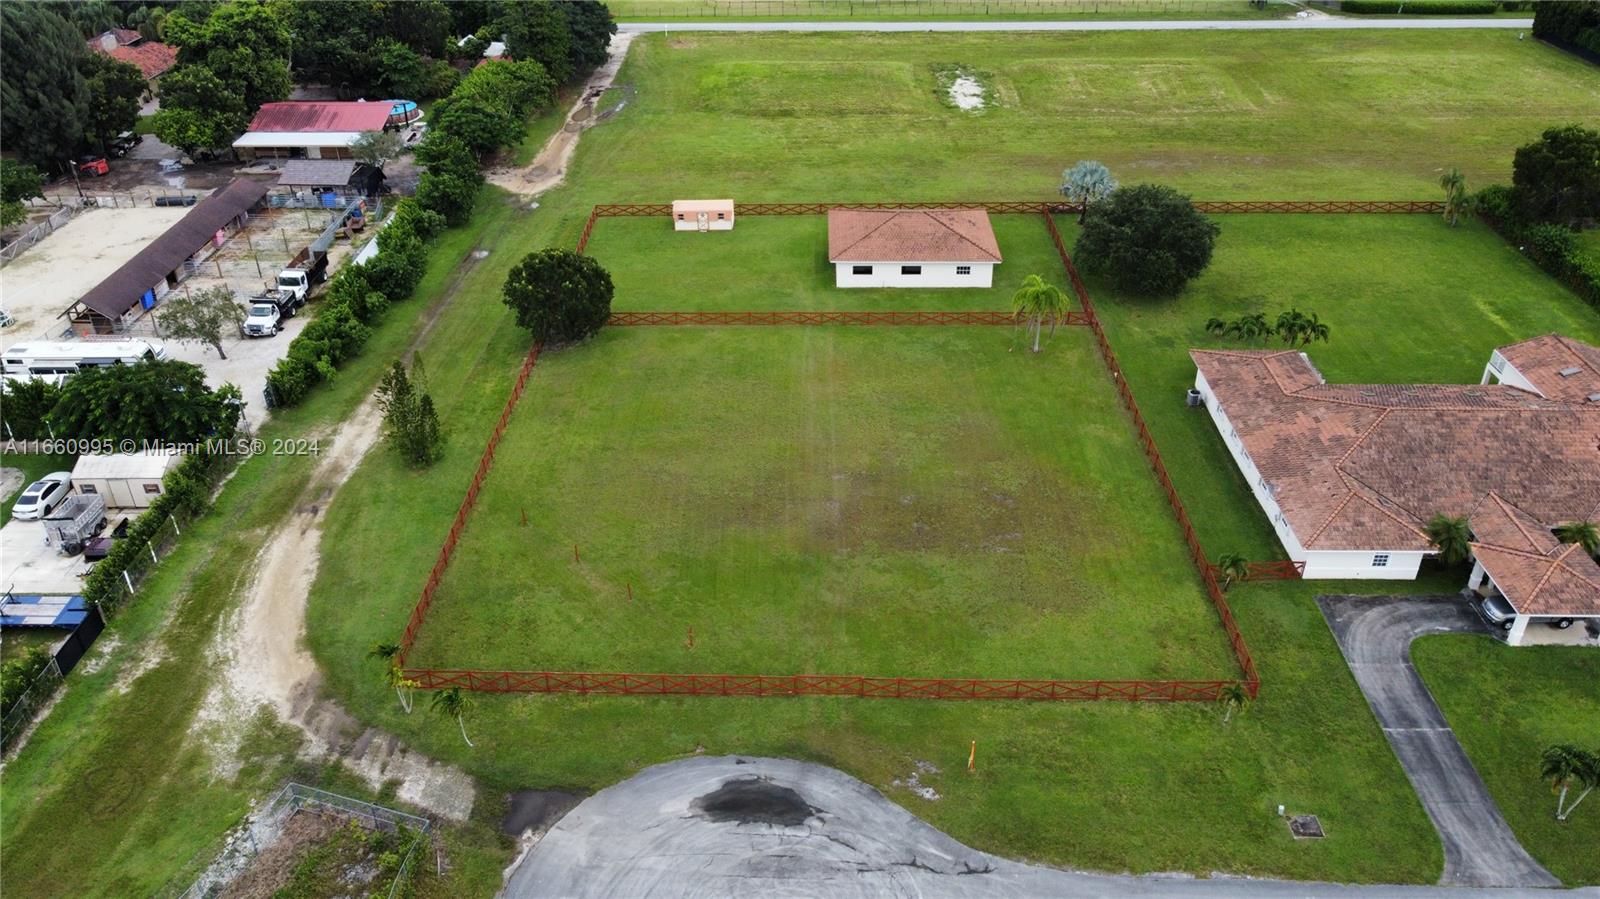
x=1146 y=239
x=1422 y=8
x=559 y=295
x=1565 y=21
x=17 y=674
x=1557 y=177
x=1552 y=240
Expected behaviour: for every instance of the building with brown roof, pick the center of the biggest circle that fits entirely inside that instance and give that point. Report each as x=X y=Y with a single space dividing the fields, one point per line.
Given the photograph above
x=151 y=58
x=912 y=247
x=1350 y=474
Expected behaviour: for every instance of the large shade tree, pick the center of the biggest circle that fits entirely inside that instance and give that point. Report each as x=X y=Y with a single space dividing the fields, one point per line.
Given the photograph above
x=116 y=90
x=1147 y=239
x=156 y=400
x=559 y=296
x=202 y=316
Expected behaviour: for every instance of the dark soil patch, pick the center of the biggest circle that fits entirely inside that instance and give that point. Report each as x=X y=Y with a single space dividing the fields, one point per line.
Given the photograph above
x=537 y=810
x=1306 y=827
x=272 y=869
x=754 y=800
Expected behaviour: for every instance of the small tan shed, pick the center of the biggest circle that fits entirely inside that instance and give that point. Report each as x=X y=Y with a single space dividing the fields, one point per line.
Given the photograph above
x=702 y=215
x=125 y=480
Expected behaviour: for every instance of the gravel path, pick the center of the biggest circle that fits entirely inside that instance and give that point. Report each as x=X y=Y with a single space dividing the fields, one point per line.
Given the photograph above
x=755 y=827
x=1375 y=634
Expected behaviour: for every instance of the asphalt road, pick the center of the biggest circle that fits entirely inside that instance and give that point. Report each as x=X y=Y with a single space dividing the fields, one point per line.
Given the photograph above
x=754 y=827
x=1375 y=634
x=1307 y=24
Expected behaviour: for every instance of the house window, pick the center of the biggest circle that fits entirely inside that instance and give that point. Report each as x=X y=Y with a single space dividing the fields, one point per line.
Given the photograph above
x=910 y=269
x=721 y=216
x=963 y=269
x=860 y=269
x=680 y=216
x=87 y=488
x=152 y=489
x=1381 y=560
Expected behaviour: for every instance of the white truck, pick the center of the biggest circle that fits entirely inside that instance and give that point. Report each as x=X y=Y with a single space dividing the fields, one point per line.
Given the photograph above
x=263 y=318
x=308 y=269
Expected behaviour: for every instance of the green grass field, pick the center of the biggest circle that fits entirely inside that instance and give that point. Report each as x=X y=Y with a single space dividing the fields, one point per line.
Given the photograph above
x=781 y=262
x=1407 y=300
x=1230 y=115
x=934 y=10
x=825 y=500
x=1506 y=704
x=780 y=117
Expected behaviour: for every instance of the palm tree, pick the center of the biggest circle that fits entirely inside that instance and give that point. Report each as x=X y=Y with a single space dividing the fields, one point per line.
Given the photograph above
x=1087 y=182
x=1566 y=766
x=1583 y=533
x=393 y=676
x=1037 y=302
x=1233 y=699
x=1300 y=329
x=1451 y=537
x=1455 y=195
x=1233 y=566
x=454 y=703
x=1216 y=326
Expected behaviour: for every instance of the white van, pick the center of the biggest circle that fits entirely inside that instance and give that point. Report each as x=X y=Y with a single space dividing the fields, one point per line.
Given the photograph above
x=37 y=359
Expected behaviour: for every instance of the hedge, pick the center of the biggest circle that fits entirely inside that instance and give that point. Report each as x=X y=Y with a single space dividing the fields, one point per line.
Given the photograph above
x=355 y=300
x=1421 y=7
x=1551 y=247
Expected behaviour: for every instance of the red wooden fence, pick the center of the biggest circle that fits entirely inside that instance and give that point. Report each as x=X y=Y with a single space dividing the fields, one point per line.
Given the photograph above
x=1247 y=665
x=818 y=685
x=419 y=612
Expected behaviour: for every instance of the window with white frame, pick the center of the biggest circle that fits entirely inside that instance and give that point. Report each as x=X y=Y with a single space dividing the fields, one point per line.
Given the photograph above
x=963 y=269
x=860 y=269
x=1380 y=560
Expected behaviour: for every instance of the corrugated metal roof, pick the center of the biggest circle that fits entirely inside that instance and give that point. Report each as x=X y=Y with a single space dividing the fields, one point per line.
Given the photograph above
x=121 y=290
x=296 y=116
x=317 y=172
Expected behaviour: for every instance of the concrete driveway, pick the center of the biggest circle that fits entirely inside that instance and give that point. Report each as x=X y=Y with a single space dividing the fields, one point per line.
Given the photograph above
x=751 y=827
x=1375 y=634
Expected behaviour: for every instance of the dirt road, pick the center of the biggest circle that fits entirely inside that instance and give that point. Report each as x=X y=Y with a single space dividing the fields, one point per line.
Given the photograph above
x=549 y=168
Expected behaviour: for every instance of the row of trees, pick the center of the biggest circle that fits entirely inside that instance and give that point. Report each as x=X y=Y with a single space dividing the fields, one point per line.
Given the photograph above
x=1293 y=327
x=57 y=98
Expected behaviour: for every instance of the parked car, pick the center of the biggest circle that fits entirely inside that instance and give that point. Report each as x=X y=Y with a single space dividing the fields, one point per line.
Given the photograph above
x=1497 y=611
x=122 y=143
x=42 y=496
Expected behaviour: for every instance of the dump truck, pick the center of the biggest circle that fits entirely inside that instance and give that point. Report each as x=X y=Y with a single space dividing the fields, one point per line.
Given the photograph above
x=308 y=269
x=76 y=521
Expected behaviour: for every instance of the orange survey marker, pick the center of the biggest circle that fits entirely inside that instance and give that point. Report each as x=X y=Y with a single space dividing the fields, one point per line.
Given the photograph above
x=972 y=758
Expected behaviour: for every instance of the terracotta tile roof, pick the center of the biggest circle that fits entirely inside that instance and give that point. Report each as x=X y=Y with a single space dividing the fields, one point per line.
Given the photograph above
x=296 y=116
x=122 y=37
x=1363 y=467
x=911 y=235
x=151 y=59
x=1562 y=582
x=1499 y=523
x=1560 y=367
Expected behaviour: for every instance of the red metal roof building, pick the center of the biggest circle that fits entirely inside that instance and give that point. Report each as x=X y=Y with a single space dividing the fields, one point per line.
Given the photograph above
x=310 y=130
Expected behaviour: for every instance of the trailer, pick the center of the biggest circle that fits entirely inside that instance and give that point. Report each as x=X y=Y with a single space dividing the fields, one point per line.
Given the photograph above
x=76 y=521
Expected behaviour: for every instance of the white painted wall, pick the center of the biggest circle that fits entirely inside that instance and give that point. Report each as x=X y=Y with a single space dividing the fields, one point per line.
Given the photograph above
x=934 y=274
x=1319 y=564
x=691 y=222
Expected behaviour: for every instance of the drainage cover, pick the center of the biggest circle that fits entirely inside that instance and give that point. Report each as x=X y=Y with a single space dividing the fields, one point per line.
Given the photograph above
x=1306 y=827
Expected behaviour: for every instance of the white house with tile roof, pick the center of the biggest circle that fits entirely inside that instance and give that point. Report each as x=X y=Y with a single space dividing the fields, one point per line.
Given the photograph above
x=912 y=247
x=1349 y=474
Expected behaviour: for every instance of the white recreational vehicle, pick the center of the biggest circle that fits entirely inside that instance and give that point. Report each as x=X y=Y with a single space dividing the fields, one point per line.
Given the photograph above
x=39 y=359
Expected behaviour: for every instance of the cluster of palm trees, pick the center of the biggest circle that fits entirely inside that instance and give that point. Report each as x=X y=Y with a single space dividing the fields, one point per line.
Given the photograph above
x=451 y=702
x=1293 y=327
x=1456 y=200
x=1566 y=768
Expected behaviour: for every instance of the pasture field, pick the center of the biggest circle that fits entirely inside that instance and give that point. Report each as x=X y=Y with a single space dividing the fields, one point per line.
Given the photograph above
x=924 y=501
x=1224 y=115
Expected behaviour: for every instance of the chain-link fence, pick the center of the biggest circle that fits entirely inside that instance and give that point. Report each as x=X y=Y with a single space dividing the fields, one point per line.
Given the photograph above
x=210 y=871
x=37 y=233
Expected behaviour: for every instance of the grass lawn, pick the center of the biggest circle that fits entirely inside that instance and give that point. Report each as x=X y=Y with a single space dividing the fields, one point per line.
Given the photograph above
x=824 y=500
x=33 y=467
x=1230 y=115
x=781 y=262
x=1407 y=298
x=1506 y=704
x=934 y=10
